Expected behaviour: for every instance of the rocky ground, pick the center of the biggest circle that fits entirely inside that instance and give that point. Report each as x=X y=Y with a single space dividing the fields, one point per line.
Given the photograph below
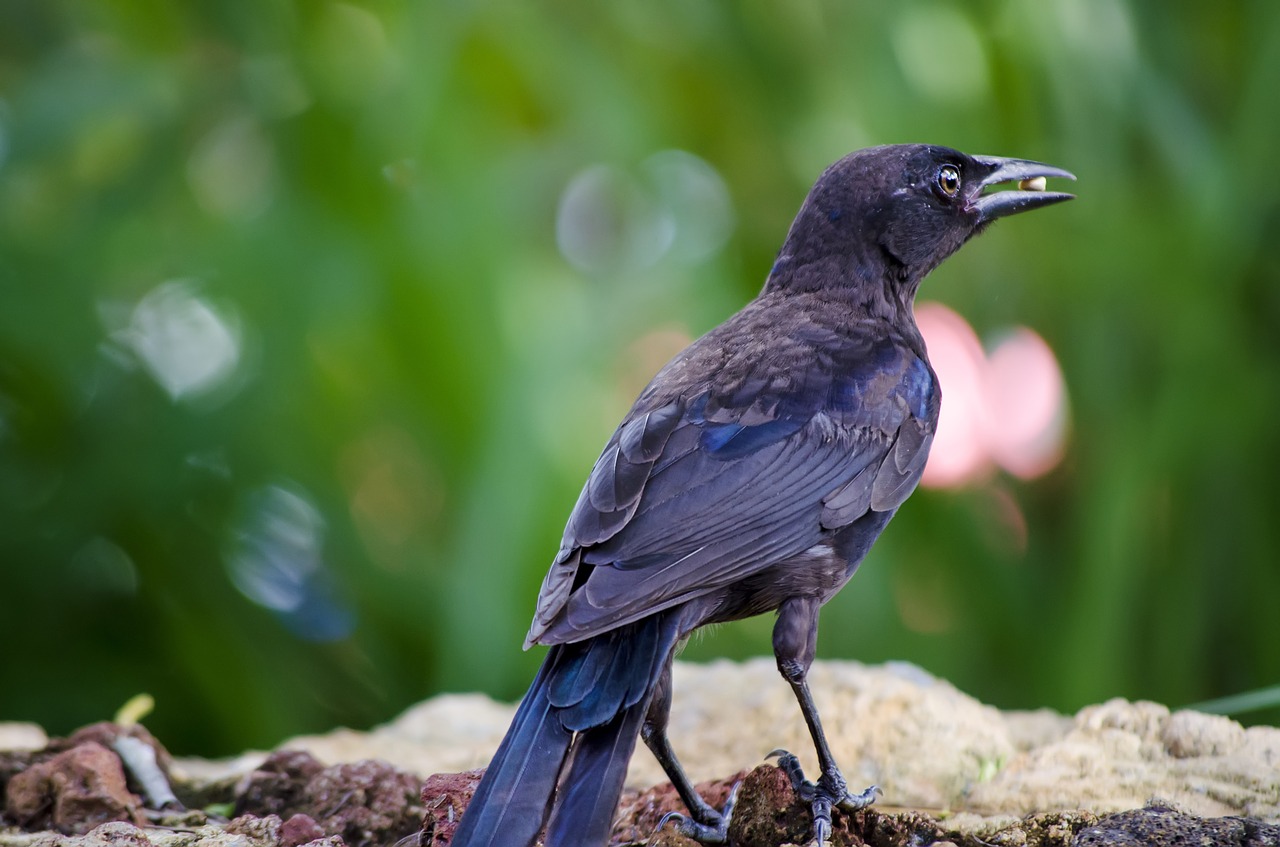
x=952 y=771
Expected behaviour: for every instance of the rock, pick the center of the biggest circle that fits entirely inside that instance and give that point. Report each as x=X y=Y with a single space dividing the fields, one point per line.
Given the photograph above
x=448 y=733
x=926 y=744
x=952 y=769
x=300 y=829
x=1052 y=829
x=278 y=785
x=18 y=735
x=444 y=796
x=1031 y=729
x=366 y=803
x=1118 y=755
x=113 y=834
x=1188 y=734
x=72 y=792
x=12 y=763
x=1159 y=825
x=921 y=740
x=768 y=812
x=640 y=811
x=259 y=828
x=106 y=733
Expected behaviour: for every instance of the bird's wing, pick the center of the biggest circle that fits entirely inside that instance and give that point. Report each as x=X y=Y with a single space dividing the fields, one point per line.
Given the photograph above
x=700 y=491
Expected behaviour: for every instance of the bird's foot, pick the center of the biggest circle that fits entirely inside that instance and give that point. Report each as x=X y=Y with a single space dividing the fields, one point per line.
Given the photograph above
x=705 y=824
x=830 y=791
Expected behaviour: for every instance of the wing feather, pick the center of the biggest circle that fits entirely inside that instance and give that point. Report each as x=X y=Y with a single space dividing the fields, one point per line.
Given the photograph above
x=697 y=491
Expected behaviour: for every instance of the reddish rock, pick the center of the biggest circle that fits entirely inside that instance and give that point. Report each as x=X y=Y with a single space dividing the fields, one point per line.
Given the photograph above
x=300 y=829
x=366 y=802
x=106 y=733
x=768 y=812
x=444 y=798
x=640 y=812
x=278 y=785
x=12 y=763
x=72 y=792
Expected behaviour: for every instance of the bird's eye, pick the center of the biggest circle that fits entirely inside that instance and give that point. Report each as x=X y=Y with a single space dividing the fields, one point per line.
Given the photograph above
x=948 y=180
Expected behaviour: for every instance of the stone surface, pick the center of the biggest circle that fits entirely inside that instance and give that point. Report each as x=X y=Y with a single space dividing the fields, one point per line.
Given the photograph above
x=926 y=744
x=278 y=785
x=446 y=734
x=952 y=771
x=113 y=834
x=242 y=832
x=639 y=812
x=768 y=815
x=19 y=735
x=444 y=797
x=300 y=829
x=1161 y=826
x=1118 y=755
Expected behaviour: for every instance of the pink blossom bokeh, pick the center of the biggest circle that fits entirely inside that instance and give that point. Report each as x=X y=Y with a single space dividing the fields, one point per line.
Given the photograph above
x=1004 y=408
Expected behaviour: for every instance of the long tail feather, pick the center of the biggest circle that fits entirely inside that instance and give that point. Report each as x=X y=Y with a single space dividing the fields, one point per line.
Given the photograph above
x=564 y=759
x=512 y=801
x=592 y=783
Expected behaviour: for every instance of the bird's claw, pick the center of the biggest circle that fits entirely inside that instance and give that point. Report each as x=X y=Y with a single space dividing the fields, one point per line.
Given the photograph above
x=690 y=828
x=830 y=791
x=857 y=802
x=715 y=832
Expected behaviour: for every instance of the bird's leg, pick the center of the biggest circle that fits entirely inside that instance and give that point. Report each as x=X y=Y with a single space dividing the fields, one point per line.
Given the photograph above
x=795 y=638
x=703 y=822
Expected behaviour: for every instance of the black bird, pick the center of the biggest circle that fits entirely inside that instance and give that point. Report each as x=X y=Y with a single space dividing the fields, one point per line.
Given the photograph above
x=752 y=475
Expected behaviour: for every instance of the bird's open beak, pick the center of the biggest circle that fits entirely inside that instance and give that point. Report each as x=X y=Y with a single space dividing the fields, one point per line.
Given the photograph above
x=1030 y=193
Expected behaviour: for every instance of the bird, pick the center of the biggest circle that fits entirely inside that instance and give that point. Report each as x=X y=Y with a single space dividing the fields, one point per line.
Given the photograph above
x=751 y=475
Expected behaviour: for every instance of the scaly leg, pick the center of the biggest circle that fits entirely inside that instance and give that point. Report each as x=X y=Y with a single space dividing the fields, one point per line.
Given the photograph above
x=703 y=823
x=795 y=638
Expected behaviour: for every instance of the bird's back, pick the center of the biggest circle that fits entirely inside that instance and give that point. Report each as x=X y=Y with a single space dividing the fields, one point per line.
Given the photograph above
x=754 y=446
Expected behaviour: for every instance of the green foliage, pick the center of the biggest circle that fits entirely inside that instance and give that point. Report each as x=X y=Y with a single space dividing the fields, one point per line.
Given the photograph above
x=401 y=382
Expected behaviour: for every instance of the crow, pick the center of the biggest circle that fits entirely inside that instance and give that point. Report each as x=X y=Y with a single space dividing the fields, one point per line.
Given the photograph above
x=751 y=475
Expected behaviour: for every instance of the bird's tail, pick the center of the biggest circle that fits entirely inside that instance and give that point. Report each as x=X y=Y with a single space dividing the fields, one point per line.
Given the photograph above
x=564 y=759
x=511 y=803
x=588 y=798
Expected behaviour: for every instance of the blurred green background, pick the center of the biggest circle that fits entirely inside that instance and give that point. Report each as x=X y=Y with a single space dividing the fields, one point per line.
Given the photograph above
x=314 y=316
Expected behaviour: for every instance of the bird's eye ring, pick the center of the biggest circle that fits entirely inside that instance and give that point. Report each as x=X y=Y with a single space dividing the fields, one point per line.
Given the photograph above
x=948 y=180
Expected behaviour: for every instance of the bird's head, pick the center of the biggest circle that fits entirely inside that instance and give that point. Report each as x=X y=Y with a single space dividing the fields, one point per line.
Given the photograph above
x=895 y=212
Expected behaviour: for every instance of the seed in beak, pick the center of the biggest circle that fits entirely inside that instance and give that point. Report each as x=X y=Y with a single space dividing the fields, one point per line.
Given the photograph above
x=1036 y=183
